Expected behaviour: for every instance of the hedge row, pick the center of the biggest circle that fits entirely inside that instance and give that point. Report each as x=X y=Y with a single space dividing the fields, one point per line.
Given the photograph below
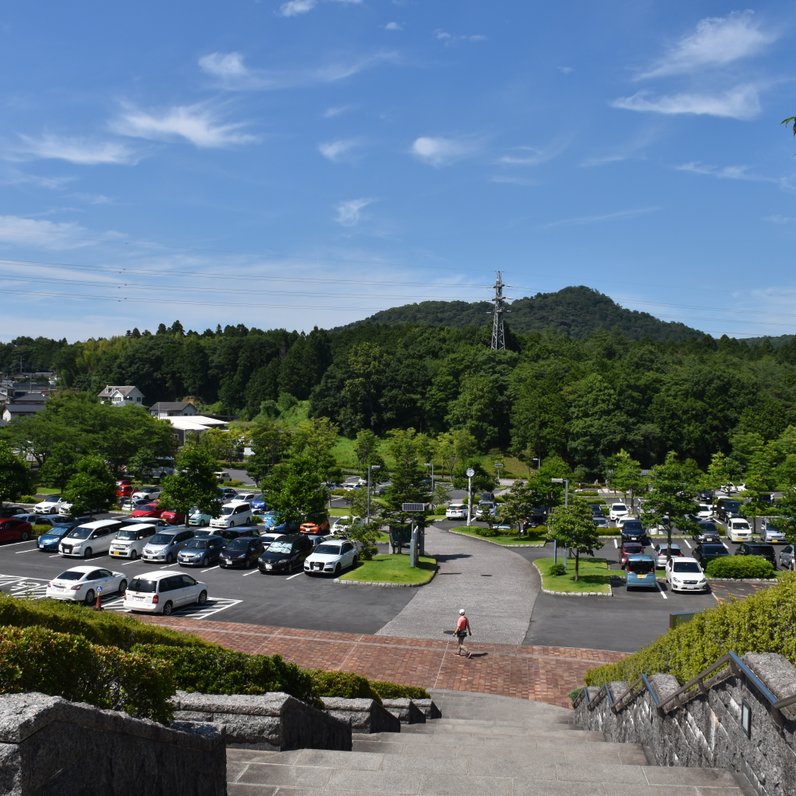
x=740 y=567
x=61 y=664
x=763 y=622
x=99 y=627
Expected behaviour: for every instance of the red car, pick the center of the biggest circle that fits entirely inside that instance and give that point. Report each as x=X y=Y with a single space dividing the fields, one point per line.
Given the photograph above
x=124 y=490
x=629 y=549
x=172 y=517
x=148 y=510
x=322 y=526
x=15 y=530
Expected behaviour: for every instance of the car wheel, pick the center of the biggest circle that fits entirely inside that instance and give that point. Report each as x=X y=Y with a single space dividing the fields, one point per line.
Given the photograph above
x=355 y=561
x=122 y=587
x=25 y=536
x=87 y=553
x=133 y=555
x=168 y=608
x=204 y=562
x=202 y=599
x=170 y=558
x=90 y=597
x=336 y=569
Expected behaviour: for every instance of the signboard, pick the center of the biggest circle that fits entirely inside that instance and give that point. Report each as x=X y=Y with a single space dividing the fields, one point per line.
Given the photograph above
x=413 y=507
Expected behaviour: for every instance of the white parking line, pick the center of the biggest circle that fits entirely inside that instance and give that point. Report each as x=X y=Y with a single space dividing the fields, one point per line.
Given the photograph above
x=687 y=543
x=217 y=566
x=662 y=592
x=290 y=577
x=20 y=552
x=253 y=572
x=616 y=545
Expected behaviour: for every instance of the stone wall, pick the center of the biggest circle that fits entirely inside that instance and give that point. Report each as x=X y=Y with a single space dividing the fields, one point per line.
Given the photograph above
x=707 y=731
x=52 y=747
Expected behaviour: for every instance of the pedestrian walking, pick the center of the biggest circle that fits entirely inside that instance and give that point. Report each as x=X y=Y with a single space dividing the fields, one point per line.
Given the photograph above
x=463 y=630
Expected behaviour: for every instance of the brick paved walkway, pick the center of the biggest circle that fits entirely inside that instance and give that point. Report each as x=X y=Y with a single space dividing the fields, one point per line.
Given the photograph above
x=543 y=674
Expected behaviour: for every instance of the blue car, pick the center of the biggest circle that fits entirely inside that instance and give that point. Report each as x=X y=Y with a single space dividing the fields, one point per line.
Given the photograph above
x=640 y=572
x=269 y=520
x=258 y=504
x=48 y=542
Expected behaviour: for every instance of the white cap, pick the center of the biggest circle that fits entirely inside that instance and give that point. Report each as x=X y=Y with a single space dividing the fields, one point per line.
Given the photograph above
x=461 y=611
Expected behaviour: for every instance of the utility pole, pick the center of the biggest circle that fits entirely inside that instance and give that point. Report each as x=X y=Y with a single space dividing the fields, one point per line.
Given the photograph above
x=498 y=329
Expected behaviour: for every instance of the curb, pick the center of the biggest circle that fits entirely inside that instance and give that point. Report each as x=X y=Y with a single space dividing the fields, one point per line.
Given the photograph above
x=386 y=585
x=609 y=593
x=497 y=544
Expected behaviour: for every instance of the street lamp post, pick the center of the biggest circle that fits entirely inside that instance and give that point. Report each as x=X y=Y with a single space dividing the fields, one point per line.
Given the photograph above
x=470 y=473
x=431 y=465
x=370 y=467
x=498 y=468
x=565 y=482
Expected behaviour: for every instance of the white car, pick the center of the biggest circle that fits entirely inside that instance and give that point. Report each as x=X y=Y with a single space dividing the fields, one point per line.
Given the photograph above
x=162 y=591
x=83 y=584
x=685 y=574
x=131 y=540
x=704 y=512
x=243 y=497
x=89 y=538
x=147 y=493
x=456 y=511
x=331 y=557
x=233 y=514
x=617 y=511
x=771 y=533
x=341 y=525
x=738 y=530
x=51 y=505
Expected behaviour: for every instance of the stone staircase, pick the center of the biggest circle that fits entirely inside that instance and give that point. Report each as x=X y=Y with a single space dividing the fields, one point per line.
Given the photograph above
x=482 y=745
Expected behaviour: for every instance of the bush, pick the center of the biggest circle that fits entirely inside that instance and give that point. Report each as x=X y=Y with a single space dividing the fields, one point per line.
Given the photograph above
x=216 y=670
x=66 y=665
x=388 y=690
x=488 y=533
x=740 y=567
x=99 y=627
x=558 y=569
x=763 y=622
x=342 y=684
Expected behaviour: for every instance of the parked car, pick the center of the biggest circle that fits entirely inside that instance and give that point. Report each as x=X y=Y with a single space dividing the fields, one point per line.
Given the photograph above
x=51 y=505
x=131 y=540
x=640 y=572
x=173 y=517
x=268 y=538
x=770 y=532
x=286 y=554
x=198 y=518
x=727 y=508
x=617 y=510
x=258 y=503
x=243 y=497
x=738 y=530
x=758 y=549
x=148 y=493
x=341 y=525
x=165 y=545
x=664 y=551
x=90 y=538
x=124 y=491
x=229 y=534
x=83 y=584
x=628 y=549
x=48 y=542
x=786 y=556
x=269 y=519
x=226 y=493
x=456 y=511
x=201 y=551
x=13 y=529
x=11 y=511
x=162 y=591
x=149 y=510
x=485 y=510
x=704 y=511
x=242 y=552
x=705 y=553
x=600 y=522
x=685 y=574
x=233 y=514
x=331 y=557
x=705 y=528
x=315 y=524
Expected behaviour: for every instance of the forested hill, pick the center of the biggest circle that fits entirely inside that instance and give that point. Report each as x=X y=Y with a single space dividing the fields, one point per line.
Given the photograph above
x=577 y=312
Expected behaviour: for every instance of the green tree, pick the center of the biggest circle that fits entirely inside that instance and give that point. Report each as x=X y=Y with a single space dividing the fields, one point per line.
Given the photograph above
x=316 y=438
x=14 y=475
x=59 y=466
x=407 y=473
x=193 y=483
x=624 y=474
x=572 y=527
x=270 y=443
x=673 y=487
x=452 y=448
x=92 y=488
x=295 y=488
x=366 y=449
x=518 y=503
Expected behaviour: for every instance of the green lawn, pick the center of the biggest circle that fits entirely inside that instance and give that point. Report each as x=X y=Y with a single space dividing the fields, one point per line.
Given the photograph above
x=594 y=575
x=534 y=537
x=386 y=568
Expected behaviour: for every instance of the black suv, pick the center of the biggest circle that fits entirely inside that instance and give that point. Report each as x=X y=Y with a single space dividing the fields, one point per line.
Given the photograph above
x=757 y=549
x=633 y=531
x=705 y=553
x=726 y=509
x=705 y=529
x=286 y=554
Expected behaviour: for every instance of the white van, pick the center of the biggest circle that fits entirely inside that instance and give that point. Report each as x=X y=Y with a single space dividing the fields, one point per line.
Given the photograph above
x=738 y=530
x=233 y=514
x=131 y=540
x=89 y=538
x=456 y=511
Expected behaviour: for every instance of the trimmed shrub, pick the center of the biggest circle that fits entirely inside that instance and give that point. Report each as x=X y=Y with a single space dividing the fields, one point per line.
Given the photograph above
x=66 y=665
x=558 y=569
x=388 y=690
x=740 y=567
x=215 y=670
x=762 y=622
x=342 y=684
x=489 y=533
x=99 y=627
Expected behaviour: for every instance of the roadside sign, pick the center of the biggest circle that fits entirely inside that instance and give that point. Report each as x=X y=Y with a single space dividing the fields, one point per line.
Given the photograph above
x=413 y=507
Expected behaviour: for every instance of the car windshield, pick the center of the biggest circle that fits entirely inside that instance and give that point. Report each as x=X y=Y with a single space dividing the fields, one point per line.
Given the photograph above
x=196 y=544
x=619 y=507
x=142 y=584
x=70 y=575
x=162 y=538
x=632 y=525
x=326 y=548
x=127 y=535
x=227 y=510
x=686 y=566
x=80 y=533
x=279 y=547
x=714 y=549
x=241 y=543
x=640 y=567
x=633 y=548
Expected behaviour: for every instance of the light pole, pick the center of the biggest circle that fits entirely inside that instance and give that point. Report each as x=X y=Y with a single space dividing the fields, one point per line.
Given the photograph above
x=431 y=465
x=498 y=468
x=565 y=482
x=470 y=473
x=370 y=467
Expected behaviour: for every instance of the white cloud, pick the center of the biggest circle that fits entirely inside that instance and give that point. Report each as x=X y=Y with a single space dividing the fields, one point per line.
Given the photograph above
x=510 y=179
x=80 y=151
x=36 y=233
x=439 y=151
x=198 y=124
x=601 y=218
x=393 y=26
x=452 y=38
x=292 y=8
x=566 y=70
x=741 y=102
x=533 y=156
x=349 y=213
x=336 y=110
x=718 y=41
x=224 y=64
x=338 y=151
x=731 y=173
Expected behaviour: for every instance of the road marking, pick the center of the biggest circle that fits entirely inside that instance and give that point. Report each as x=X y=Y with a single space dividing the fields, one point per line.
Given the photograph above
x=20 y=552
x=253 y=572
x=290 y=577
x=616 y=545
x=217 y=566
x=687 y=543
x=662 y=592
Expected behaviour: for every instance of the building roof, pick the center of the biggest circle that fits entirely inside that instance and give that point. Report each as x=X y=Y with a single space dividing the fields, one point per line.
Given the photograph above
x=170 y=406
x=194 y=423
x=124 y=390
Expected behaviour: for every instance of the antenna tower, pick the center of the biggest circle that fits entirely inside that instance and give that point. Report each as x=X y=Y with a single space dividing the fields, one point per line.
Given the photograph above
x=498 y=330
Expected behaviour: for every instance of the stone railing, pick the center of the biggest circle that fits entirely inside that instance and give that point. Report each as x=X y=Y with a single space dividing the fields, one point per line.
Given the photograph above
x=739 y=714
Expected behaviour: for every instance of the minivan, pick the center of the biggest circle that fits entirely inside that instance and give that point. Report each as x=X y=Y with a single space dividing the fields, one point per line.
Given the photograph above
x=726 y=508
x=89 y=538
x=233 y=514
x=160 y=592
x=131 y=540
x=165 y=545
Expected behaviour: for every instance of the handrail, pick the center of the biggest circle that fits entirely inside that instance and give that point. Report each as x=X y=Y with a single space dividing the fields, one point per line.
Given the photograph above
x=632 y=692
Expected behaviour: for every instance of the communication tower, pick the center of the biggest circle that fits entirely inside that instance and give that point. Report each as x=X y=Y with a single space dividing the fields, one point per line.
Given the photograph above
x=498 y=330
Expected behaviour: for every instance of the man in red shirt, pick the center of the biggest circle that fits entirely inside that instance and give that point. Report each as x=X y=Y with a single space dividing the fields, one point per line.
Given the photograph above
x=462 y=631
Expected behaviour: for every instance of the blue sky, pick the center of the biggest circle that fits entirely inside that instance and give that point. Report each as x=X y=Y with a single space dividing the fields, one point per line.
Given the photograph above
x=310 y=162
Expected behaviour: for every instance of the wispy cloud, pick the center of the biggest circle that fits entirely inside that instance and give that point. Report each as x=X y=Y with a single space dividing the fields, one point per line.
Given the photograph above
x=632 y=149
x=513 y=179
x=620 y=215
x=438 y=151
x=339 y=151
x=80 y=151
x=336 y=110
x=455 y=38
x=349 y=212
x=780 y=220
x=734 y=172
x=533 y=156
x=295 y=8
x=41 y=234
x=198 y=124
x=717 y=41
x=741 y=102
x=225 y=65
x=393 y=26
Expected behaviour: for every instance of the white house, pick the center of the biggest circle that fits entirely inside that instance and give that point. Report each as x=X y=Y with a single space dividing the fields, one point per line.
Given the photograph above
x=121 y=396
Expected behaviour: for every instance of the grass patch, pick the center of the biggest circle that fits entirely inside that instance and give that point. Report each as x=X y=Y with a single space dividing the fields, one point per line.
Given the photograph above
x=386 y=568
x=594 y=575
x=534 y=537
